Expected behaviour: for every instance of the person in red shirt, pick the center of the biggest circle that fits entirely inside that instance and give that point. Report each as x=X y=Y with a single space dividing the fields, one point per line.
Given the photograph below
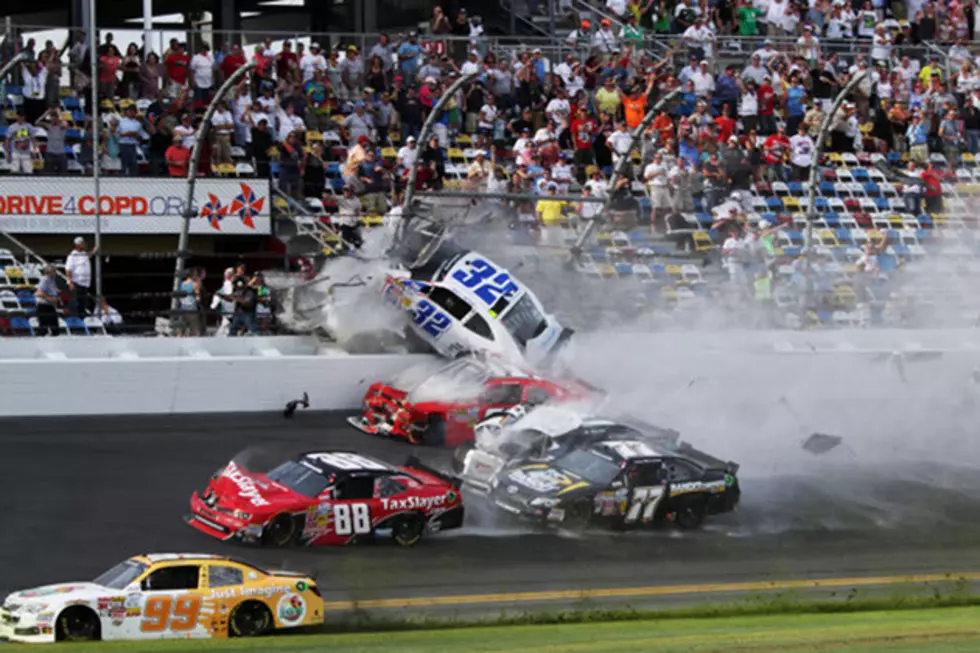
x=287 y=64
x=664 y=126
x=726 y=124
x=178 y=158
x=109 y=63
x=583 y=129
x=767 y=106
x=932 y=180
x=775 y=150
x=176 y=64
x=232 y=61
x=263 y=65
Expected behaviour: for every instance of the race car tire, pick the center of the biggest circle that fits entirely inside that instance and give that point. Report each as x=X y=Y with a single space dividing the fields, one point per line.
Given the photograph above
x=249 y=619
x=459 y=456
x=407 y=531
x=435 y=432
x=78 y=624
x=282 y=531
x=690 y=516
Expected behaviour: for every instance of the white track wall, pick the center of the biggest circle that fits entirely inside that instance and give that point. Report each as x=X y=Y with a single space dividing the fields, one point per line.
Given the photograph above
x=187 y=385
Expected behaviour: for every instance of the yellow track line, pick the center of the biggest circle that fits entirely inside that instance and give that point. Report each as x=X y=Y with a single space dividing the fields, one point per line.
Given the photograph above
x=626 y=592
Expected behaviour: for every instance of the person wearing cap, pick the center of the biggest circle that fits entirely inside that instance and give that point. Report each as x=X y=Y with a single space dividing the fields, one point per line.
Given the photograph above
x=78 y=270
x=47 y=299
x=479 y=171
x=352 y=75
x=407 y=155
x=580 y=36
x=314 y=61
x=472 y=63
x=561 y=172
x=356 y=155
x=409 y=52
x=605 y=40
x=550 y=213
x=358 y=124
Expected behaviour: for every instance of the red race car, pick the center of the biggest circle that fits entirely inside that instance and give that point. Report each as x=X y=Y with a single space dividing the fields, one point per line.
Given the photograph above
x=327 y=498
x=441 y=408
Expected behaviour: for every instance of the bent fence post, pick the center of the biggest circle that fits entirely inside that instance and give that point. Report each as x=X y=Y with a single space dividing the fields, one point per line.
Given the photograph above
x=621 y=168
x=811 y=213
x=422 y=140
x=192 y=175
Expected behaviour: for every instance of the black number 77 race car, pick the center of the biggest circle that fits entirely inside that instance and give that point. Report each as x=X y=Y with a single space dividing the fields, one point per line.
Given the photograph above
x=614 y=475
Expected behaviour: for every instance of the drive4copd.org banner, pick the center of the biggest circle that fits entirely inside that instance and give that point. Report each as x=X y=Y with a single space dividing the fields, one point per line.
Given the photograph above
x=134 y=205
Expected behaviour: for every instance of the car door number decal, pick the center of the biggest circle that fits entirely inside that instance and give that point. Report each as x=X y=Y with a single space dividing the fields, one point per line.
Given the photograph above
x=178 y=613
x=645 y=501
x=430 y=319
x=489 y=282
x=351 y=518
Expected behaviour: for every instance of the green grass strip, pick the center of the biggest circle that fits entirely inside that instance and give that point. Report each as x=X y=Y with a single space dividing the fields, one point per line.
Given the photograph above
x=861 y=629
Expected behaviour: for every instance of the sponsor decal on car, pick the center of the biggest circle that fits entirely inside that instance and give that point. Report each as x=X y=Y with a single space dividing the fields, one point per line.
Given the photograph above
x=291 y=609
x=235 y=592
x=414 y=503
x=48 y=591
x=246 y=486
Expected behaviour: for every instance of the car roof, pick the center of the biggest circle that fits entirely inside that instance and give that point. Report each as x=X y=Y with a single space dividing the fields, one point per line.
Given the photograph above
x=343 y=462
x=629 y=449
x=153 y=558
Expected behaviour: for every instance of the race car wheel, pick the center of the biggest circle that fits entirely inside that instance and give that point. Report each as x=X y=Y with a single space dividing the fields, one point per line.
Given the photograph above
x=690 y=516
x=459 y=456
x=281 y=531
x=435 y=432
x=249 y=619
x=408 y=530
x=78 y=624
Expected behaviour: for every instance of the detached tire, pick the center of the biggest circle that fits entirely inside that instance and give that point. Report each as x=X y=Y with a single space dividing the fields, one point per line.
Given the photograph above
x=408 y=530
x=280 y=532
x=249 y=619
x=78 y=624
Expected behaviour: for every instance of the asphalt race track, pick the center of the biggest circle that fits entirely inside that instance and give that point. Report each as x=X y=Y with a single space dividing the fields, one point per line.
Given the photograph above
x=81 y=493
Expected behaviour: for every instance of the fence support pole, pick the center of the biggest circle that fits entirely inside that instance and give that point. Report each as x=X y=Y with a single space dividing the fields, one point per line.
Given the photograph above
x=812 y=190
x=185 y=227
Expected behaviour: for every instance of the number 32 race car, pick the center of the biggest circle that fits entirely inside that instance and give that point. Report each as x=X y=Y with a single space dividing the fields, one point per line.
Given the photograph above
x=164 y=595
x=441 y=408
x=327 y=498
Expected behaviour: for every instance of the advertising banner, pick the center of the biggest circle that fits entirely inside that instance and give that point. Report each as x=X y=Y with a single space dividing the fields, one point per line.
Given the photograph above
x=134 y=205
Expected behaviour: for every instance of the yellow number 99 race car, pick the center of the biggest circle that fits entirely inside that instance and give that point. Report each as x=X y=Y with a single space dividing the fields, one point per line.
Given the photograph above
x=164 y=595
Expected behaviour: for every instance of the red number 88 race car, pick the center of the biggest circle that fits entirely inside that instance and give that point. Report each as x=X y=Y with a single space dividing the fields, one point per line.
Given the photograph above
x=440 y=407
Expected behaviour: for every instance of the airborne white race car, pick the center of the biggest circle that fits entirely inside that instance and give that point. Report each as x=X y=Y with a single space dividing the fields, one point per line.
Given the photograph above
x=538 y=433
x=461 y=302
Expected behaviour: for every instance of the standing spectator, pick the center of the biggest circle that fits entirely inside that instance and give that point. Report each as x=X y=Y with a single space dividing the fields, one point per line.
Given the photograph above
x=358 y=124
x=950 y=132
x=34 y=82
x=290 y=166
x=262 y=143
x=201 y=67
x=178 y=157
x=232 y=61
x=21 y=146
x=223 y=301
x=352 y=74
x=287 y=64
x=802 y=150
x=314 y=172
x=176 y=64
x=372 y=175
x=109 y=62
x=408 y=56
x=78 y=269
x=313 y=62
x=131 y=64
x=47 y=297
x=349 y=217
x=222 y=128
x=150 y=75
x=190 y=322
x=130 y=132
x=932 y=182
x=55 y=158
x=186 y=131
x=246 y=300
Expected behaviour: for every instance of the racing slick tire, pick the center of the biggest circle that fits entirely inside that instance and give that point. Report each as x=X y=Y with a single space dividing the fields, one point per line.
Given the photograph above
x=690 y=516
x=435 y=432
x=249 y=619
x=282 y=531
x=459 y=456
x=78 y=624
x=408 y=530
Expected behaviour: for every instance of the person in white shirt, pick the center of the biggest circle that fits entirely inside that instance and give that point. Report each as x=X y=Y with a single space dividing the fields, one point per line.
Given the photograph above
x=619 y=143
x=488 y=113
x=704 y=81
x=801 y=148
x=289 y=122
x=697 y=38
x=558 y=109
x=765 y=53
x=545 y=134
x=755 y=70
x=605 y=40
x=222 y=299
x=617 y=7
x=655 y=176
x=839 y=26
x=564 y=69
x=186 y=132
x=201 y=69
x=78 y=269
x=34 y=78
x=223 y=127
x=471 y=65
x=561 y=172
x=808 y=46
x=311 y=62
x=776 y=16
x=867 y=20
x=732 y=252
x=881 y=45
x=407 y=155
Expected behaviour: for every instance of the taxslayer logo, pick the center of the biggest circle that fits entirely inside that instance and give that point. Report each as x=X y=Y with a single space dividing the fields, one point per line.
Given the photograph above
x=413 y=503
x=247 y=205
x=246 y=486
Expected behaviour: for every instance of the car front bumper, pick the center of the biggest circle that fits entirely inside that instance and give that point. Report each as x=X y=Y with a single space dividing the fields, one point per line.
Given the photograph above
x=25 y=628
x=221 y=525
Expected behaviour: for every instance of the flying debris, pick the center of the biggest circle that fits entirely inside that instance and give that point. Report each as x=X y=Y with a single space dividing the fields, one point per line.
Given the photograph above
x=820 y=443
x=296 y=403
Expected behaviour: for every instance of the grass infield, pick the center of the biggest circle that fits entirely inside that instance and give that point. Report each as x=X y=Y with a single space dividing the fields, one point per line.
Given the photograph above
x=936 y=629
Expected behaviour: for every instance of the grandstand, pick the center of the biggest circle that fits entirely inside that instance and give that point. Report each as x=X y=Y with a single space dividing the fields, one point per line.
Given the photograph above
x=291 y=141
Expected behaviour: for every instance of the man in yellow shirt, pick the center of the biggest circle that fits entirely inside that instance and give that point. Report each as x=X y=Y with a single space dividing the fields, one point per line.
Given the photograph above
x=930 y=69
x=550 y=214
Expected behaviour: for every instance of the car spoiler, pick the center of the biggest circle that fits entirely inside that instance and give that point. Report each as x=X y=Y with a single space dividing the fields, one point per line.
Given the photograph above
x=414 y=463
x=706 y=460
